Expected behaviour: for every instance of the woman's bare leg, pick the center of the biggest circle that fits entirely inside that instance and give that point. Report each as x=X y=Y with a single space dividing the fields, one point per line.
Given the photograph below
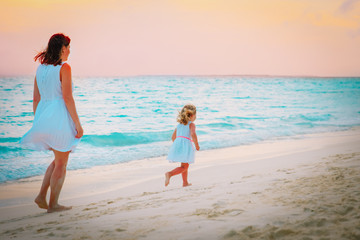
x=57 y=180
x=40 y=200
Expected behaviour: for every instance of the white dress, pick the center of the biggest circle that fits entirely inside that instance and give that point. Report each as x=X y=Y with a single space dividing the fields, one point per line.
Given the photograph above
x=182 y=149
x=53 y=127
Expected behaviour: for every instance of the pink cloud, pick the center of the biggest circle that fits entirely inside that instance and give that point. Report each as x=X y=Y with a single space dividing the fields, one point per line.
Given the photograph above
x=348 y=5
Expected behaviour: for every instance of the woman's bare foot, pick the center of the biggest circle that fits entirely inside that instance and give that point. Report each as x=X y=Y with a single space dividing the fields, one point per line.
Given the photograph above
x=41 y=202
x=58 y=208
x=167 y=179
x=187 y=184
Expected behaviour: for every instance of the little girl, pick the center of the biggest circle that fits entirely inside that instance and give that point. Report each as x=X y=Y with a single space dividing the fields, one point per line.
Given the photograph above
x=182 y=149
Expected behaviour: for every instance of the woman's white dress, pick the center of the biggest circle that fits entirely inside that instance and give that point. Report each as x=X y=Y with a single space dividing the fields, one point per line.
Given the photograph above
x=53 y=127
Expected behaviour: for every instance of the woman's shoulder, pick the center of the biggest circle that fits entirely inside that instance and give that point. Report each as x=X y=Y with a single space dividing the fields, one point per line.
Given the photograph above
x=65 y=67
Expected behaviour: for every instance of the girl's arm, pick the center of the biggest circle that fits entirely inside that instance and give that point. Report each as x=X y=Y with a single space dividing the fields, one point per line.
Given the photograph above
x=194 y=136
x=173 y=137
x=36 y=96
x=65 y=77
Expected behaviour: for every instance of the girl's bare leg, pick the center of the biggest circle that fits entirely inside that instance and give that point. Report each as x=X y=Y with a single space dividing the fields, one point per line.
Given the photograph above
x=167 y=178
x=40 y=200
x=185 y=175
x=178 y=170
x=57 y=180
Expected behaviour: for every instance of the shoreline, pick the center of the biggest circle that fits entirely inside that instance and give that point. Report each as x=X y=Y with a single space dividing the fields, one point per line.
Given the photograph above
x=275 y=139
x=242 y=191
x=210 y=153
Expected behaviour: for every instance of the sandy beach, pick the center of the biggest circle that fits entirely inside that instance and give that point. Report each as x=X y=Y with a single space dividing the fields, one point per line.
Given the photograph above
x=303 y=188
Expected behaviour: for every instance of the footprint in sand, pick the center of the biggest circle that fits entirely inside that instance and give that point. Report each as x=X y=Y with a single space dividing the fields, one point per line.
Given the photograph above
x=235 y=212
x=41 y=230
x=287 y=171
x=248 y=176
x=62 y=228
x=88 y=209
x=213 y=213
x=236 y=182
x=148 y=193
x=219 y=204
x=14 y=231
x=52 y=222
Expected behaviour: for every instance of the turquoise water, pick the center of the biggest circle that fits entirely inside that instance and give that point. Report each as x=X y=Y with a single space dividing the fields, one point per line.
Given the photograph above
x=131 y=118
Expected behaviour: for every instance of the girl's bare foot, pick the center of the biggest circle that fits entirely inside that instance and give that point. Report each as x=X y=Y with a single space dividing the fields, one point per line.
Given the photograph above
x=58 y=208
x=167 y=179
x=187 y=184
x=41 y=202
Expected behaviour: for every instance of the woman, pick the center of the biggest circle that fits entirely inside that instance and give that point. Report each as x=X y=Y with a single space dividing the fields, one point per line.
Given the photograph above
x=56 y=125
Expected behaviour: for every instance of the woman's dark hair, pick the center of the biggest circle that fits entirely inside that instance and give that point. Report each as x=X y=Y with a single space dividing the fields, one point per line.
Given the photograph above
x=52 y=53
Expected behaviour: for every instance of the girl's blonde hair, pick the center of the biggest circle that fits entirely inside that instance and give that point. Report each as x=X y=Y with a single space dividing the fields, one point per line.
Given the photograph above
x=186 y=113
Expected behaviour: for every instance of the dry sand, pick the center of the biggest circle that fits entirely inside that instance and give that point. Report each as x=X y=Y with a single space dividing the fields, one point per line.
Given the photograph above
x=304 y=188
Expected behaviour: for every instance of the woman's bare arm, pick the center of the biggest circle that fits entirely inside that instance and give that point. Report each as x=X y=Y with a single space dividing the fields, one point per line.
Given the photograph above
x=66 y=85
x=36 y=96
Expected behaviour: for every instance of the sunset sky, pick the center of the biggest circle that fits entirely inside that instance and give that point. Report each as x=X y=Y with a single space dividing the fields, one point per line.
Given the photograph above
x=186 y=37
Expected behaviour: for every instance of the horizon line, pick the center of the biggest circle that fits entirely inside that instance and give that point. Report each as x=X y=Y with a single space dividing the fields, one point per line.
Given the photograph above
x=193 y=75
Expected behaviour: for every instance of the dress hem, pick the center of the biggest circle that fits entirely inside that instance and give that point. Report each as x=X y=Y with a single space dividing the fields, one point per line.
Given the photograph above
x=174 y=161
x=37 y=148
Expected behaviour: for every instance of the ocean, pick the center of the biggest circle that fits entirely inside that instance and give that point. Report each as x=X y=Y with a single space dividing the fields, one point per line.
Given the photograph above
x=132 y=118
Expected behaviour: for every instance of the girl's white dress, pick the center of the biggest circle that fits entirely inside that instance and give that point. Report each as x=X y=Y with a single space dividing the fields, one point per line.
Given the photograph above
x=182 y=149
x=53 y=127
